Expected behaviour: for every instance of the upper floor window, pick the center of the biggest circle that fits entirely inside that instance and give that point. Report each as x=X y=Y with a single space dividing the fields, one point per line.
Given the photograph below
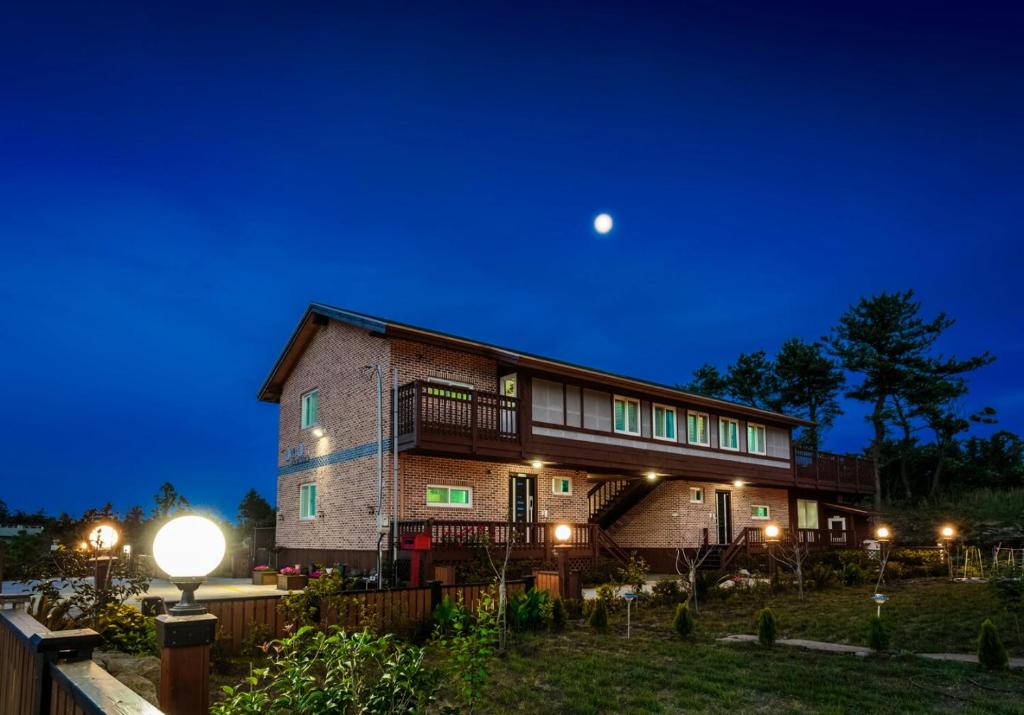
x=664 y=422
x=697 y=428
x=307 y=501
x=561 y=485
x=728 y=433
x=310 y=408
x=626 y=415
x=461 y=497
x=755 y=439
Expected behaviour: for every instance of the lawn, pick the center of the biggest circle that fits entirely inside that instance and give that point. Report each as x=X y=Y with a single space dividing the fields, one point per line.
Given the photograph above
x=580 y=671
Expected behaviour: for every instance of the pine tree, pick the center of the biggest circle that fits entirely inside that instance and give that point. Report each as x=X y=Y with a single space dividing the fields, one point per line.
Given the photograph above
x=558 y=615
x=767 y=628
x=683 y=621
x=991 y=653
x=878 y=635
x=599 y=616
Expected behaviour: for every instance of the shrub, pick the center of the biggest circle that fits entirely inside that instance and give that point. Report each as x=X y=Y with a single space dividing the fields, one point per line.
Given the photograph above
x=767 y=628
x=683 y=621
x=667 y=592
x=446 y=614
x=634 y=574
x=599 y=616
x=125 y=629
x=558 y=616
x=528 y=610
x=316 y=671
x=608 y=594
x=852 y=574
x=260 y=634
x=821 y=576
x=468 y=648
x=991 y=653
x=878 y=635
x=603 y=572
x=573 y=607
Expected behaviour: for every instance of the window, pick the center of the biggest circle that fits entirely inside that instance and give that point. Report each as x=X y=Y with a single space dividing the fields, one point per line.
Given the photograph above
x=755 y=439
x=307 y=501
x=664 y=422
x=310 y=408
x=561 y=485
x=806 y=514
x=461 y=497
x=696 y=495
x=697 y=428
x=439 y=387
x=728 y=433
x=759 y=511
x=627 y=415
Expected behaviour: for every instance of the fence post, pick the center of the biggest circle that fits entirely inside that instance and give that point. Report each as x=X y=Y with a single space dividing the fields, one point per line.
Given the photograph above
x=184 y=643
x=435 y=594
x=529 y=582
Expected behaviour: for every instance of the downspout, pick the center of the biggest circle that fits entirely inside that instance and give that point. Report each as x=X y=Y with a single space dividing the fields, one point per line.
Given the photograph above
x=394 y=473
x=380 y=466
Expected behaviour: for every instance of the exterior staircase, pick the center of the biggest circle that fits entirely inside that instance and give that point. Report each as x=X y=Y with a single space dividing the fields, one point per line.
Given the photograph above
x=611 y=498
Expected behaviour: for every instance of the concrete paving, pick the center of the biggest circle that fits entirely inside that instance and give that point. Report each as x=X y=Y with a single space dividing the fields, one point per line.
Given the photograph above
x=215 y=587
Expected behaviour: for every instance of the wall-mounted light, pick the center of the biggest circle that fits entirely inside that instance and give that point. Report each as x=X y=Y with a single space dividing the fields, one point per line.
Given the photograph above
x=652 y=475
x=737 y=483
x=536 y=464
x=318 y=432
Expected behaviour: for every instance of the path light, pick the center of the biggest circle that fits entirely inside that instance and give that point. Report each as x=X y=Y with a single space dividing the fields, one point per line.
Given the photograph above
x=563 y=532
x=188 y=548
x=771 y=534
x=103 y=537
x=882 y=534
x=948 y=532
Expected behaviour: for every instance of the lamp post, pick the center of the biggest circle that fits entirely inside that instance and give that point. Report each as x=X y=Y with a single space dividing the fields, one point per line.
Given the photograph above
x=186 y=548
x=883 y=535
x=562 y=534
x=771 y=537
x=101 y=540
x=948 y=534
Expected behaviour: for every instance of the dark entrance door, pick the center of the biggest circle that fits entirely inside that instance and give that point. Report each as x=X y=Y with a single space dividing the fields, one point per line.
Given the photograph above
x=522 y=501
x=723 y=502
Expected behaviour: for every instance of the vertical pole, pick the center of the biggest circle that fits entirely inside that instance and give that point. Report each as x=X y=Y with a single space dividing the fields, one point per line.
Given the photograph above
x=629 y=604
x=563 y=572
x=184 y=643
x=394 y=474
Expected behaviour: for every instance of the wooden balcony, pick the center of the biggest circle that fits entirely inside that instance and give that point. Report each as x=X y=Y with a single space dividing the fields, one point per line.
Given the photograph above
x=839 y=472
x=463 y=540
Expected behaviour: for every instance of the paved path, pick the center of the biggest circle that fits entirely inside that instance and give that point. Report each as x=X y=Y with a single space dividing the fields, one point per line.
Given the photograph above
x=860 y=650
x=215 y=587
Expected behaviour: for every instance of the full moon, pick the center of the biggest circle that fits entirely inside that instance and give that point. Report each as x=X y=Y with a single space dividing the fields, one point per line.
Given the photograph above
x=603 y=223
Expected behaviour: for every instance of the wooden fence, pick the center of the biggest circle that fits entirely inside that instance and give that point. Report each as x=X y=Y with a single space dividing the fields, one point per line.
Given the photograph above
x=44 y=671
x=384 y=610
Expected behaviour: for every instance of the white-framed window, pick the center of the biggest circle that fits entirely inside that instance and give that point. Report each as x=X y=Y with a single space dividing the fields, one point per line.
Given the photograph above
x=440 y=387
x=307 y=501
x=756 y=439
x=806 y=514
x=698 y=428
x=728 y=434
x=626 y=415
x=760 y=511
x=561 y=486
x=664 y=422
x=310 y=408
x=696 y=495
x=447 y=496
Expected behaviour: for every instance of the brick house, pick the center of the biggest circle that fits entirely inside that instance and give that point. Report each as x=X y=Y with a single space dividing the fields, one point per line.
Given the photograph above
x=486 y=435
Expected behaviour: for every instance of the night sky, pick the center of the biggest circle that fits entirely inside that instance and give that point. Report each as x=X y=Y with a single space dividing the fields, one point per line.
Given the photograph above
x=177 y=184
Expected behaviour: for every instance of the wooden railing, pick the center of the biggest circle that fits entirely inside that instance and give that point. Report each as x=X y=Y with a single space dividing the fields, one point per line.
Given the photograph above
x=426 y=408
x=753 y=538
x=44 y=671
x=824 y=469
x=521 y=535
x=603 y=493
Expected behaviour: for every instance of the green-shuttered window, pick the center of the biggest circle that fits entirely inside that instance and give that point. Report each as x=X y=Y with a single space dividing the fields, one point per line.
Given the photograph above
x=461 y=497
x=697 y=428
x=627 y=415
x=665 y=422
x=310 y=408
x=307 y=501
x=755 y=439
x=561 y=485
x=728 y=433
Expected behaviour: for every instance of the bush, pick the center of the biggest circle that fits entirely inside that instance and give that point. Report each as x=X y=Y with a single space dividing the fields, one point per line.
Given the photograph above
x=125 y=629
x=991 y=653
x=821 y=576
x=333 y=671
x=558 y=616
x=634 y=574
x=853 y=575
x=878 y=635
x=667 y=592
x=683 y=621
x=599 y=616
x=528 y=610
x=603 y=572
x=767 y=628
x=608 y=594
x=573 y=607
x=920 y=563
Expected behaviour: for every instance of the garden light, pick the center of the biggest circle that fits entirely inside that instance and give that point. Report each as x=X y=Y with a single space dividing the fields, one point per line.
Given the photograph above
x=948 y=532
x=188 y=548
x=103 y=537
x=563 y=532
x=883 y=534
x=771 y=533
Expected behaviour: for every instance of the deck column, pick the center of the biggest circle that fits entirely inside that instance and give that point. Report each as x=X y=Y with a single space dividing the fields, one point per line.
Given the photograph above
x=184 y=643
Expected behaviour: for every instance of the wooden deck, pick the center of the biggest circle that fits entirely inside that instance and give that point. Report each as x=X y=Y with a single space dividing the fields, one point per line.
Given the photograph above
x=462 y=540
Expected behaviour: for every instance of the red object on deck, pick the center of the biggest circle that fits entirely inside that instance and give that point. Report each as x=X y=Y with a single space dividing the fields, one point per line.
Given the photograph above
x=416 y=543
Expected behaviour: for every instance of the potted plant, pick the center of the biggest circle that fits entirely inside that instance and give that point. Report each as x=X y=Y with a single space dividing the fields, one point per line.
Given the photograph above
x=290 y=578
x=263 y=575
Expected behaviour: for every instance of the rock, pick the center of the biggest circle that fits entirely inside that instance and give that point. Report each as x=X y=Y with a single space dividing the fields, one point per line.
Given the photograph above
x=727 y=584
x=149 y=668
x=140 y=685
x=117 y=663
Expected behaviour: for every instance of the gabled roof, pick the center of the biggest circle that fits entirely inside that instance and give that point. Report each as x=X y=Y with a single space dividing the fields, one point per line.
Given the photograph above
x=318 y=314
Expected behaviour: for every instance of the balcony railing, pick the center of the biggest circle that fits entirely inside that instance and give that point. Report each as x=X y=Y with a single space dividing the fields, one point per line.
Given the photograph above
x=824 y=469
x=455 y=536
x=427 y=409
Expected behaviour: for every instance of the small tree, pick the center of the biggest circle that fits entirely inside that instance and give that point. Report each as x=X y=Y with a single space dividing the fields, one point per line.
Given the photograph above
x=792 y=554
x=558 y=615
x=599 y=616
x=687 y=564
x=991 y=652
x=878 y=635
x=500 y=568
x=683 y=621
x=767 y=627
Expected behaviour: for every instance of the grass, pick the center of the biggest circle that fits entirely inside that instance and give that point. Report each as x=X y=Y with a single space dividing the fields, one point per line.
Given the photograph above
x=580 y=671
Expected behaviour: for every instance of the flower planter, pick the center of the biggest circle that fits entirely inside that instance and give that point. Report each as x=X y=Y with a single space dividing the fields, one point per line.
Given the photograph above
x=291 y=582
x=264 y=577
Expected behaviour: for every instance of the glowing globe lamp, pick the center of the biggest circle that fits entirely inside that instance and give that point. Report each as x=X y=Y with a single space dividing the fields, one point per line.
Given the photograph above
x=188 y=548
x=563 y=532
x=771 y=533
x=882 y=533
x=948 y=532
x=103 y=537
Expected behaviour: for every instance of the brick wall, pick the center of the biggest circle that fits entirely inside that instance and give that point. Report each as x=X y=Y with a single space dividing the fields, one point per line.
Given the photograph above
x=651 y=523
